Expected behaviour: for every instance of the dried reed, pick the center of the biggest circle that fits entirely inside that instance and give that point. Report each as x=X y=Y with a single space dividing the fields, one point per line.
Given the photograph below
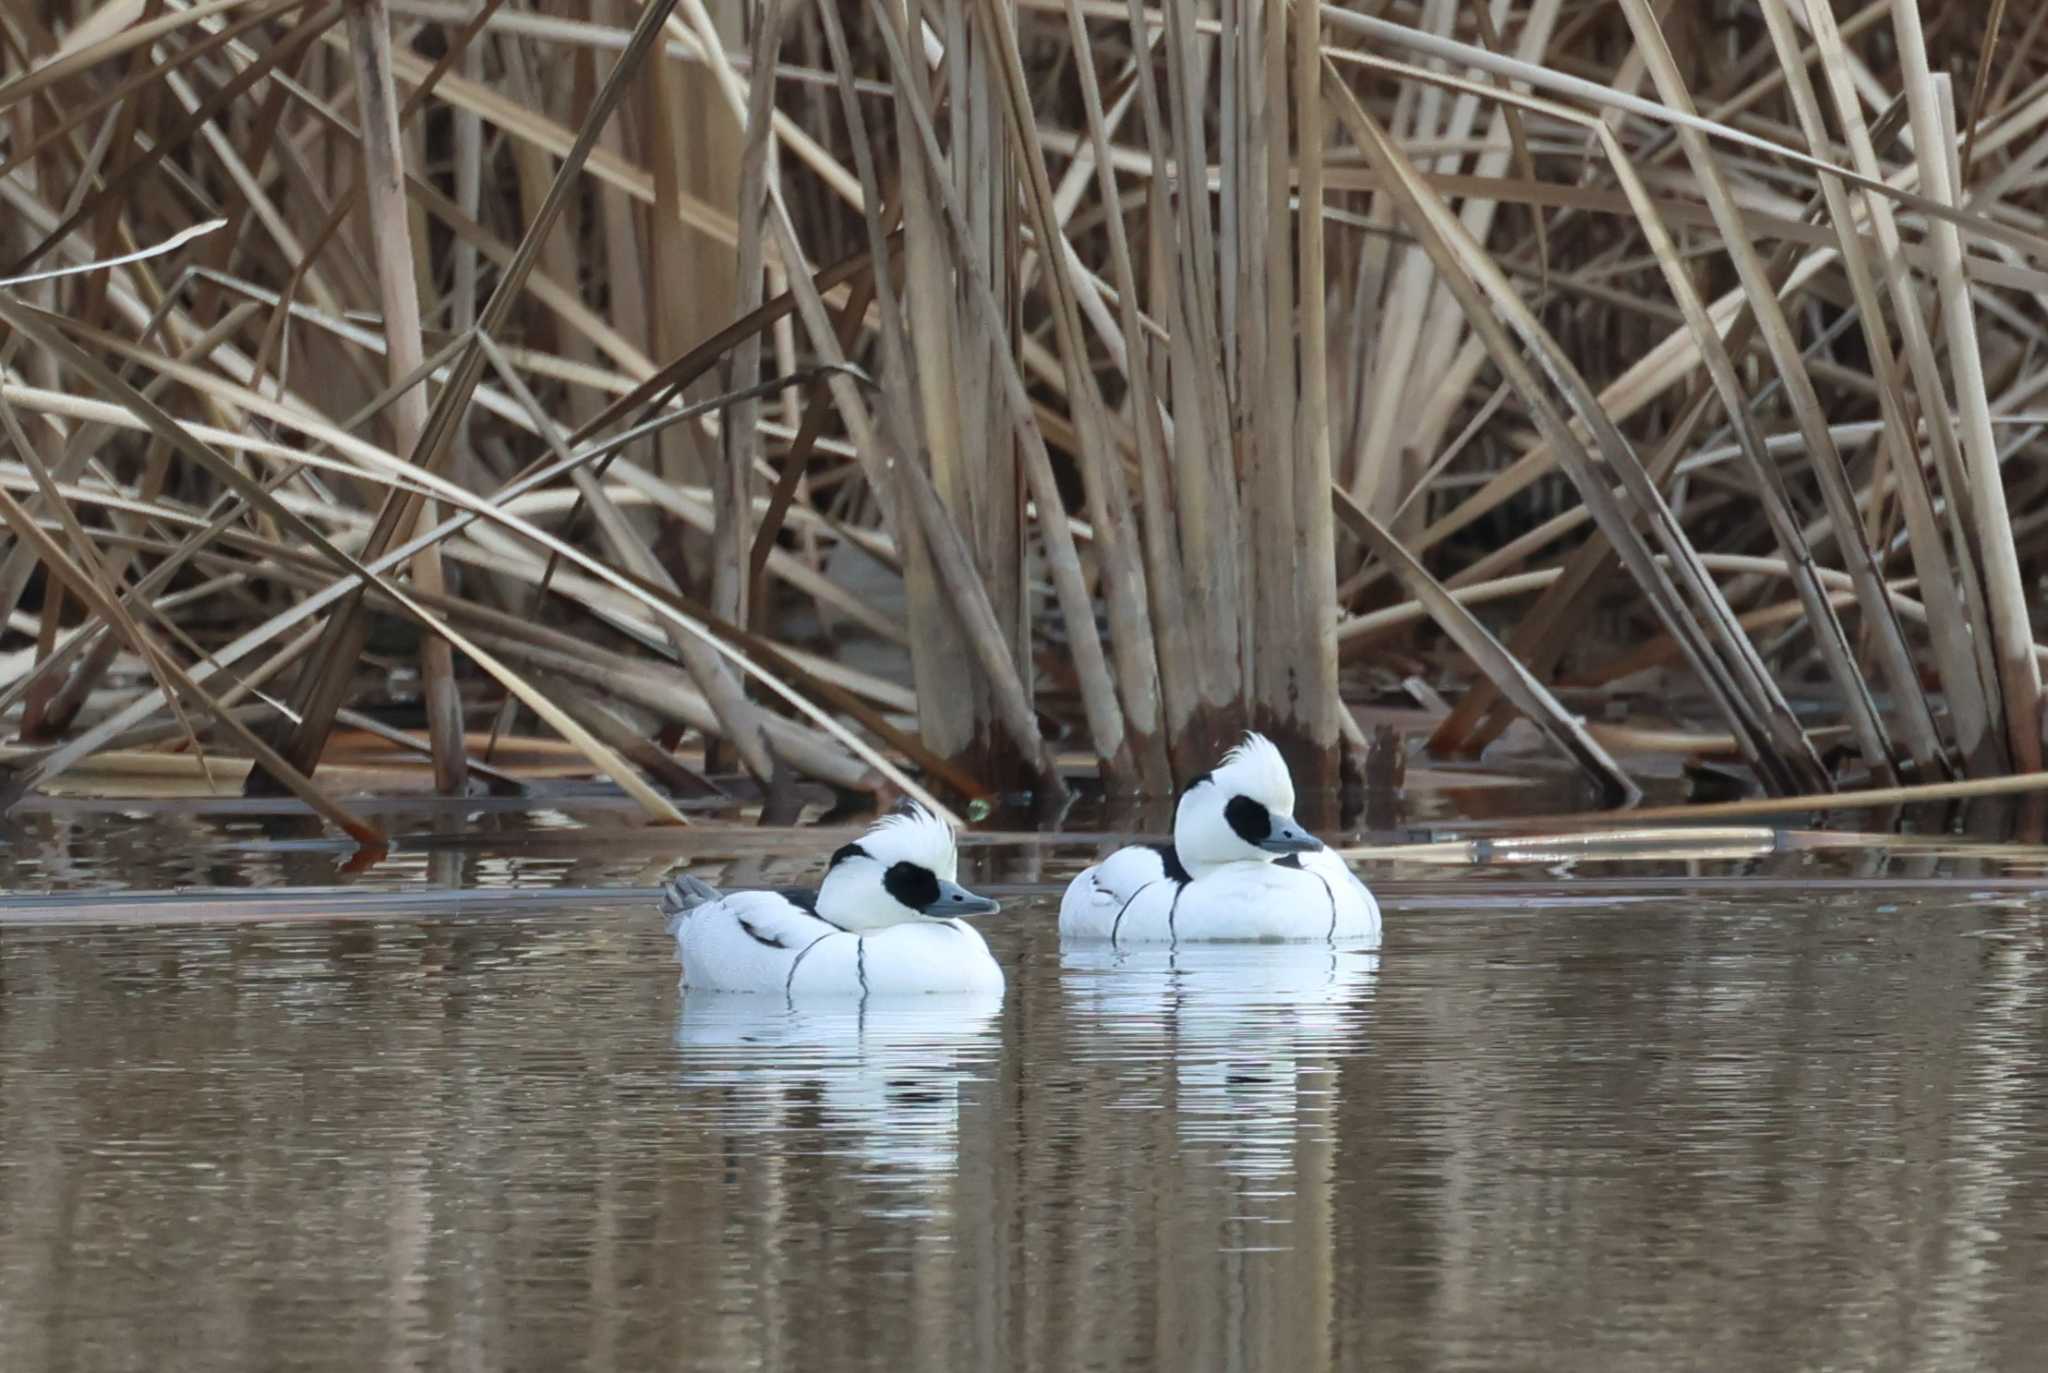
x=1161 y=351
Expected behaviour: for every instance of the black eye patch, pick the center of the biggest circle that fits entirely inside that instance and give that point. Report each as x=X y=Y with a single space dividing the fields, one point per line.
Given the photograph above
x=912 y=884
x=1249 y=820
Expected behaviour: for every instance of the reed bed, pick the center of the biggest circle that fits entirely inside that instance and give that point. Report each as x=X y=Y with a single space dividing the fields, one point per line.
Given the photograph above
x=919 y=397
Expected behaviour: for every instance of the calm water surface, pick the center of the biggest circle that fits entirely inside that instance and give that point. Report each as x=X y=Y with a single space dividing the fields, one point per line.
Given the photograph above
x=1570 y=1124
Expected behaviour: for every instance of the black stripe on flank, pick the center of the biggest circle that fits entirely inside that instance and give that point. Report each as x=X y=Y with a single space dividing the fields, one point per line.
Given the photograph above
x=789 y=983
x=753 y=932
x=1169 y=861
x=1330 y=892
x=805 y=899
x=1118 y=923
x=860 y=965
x=1172 y=934
x=1293 y=860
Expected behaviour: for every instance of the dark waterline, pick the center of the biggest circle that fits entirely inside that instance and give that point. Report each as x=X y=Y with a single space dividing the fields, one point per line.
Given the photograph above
x=1593 y=1117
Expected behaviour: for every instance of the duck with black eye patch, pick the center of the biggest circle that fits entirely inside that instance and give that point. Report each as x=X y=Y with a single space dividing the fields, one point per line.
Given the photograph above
x=1237 y=868
x=887 y=919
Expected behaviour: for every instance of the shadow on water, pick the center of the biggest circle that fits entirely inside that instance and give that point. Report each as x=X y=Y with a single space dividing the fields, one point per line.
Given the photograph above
x=1781 y=1110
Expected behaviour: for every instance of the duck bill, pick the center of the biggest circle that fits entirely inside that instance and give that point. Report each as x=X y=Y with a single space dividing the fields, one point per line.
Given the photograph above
x=955 y=899
x=1288 y=837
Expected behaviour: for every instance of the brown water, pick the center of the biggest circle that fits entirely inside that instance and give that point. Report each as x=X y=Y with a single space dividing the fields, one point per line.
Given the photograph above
x=1562 y=1121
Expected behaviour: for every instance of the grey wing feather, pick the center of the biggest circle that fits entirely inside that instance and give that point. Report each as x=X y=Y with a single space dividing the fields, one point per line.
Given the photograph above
x=682 y=894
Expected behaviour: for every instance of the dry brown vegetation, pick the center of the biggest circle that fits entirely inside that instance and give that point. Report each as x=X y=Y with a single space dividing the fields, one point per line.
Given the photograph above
x=1633 y=358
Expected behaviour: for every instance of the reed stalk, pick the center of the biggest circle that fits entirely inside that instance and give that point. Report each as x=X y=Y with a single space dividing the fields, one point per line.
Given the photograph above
x=1095 y=381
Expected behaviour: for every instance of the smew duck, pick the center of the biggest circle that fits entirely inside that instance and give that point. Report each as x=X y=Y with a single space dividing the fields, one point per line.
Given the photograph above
x=885 y=920
x=1238 y=868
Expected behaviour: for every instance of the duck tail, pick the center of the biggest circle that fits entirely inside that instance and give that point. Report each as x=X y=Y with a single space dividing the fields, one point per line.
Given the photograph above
x=682 y=894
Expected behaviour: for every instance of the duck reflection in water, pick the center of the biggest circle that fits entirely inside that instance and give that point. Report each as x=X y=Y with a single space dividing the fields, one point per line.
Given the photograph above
x=883 y=1075
x=1250 y=1031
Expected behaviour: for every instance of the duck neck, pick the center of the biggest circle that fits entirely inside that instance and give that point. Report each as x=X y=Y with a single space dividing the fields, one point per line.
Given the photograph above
x=1200 y=868
x=838 y=899
x=851 y=897
x=1204 y=844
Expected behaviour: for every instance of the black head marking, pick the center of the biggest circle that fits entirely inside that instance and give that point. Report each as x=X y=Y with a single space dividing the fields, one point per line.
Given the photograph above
x=1197 y=780
x=1249 y=820
x=844 y=852
x=912 y=884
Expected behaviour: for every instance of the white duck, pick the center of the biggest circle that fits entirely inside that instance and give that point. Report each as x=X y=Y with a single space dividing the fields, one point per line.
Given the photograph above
x=883 y=922
x=1239 y=868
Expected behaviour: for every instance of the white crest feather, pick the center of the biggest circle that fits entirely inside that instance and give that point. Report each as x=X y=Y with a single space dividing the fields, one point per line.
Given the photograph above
x=913 y=834
x=1255 y=768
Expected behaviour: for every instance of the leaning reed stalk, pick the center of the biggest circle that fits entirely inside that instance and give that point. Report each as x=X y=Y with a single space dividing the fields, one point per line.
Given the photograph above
x=935 y=553
x=1178 y=660
x=959 y=723
x=1506 y=672
x=321 y=684
x=1806 y=408
x=273 y=761
x=1132 y=653
x=1976 y=706
x=1540 y=640
x=1318 y=704
x=1104 y=711
x=1125 y=318
x=1269 y=384
x=990 y=478
x=1719 y=652
x=369 y=29
x=2020 y=675
x=1186 y=246
x=1960 y=680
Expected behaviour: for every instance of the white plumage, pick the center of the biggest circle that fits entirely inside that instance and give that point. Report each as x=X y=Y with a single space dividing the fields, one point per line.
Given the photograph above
x=1131 y=898
x=912 y=834
x=1238 y=868
x=1257 y=769
x=883 y=922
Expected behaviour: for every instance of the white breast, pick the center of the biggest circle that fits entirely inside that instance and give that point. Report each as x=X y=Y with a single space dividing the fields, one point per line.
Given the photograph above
x=1129 y=898
x=764 y=942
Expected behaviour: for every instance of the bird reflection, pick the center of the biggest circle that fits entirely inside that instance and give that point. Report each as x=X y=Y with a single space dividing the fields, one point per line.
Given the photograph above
x=1249 y=1029
x=878 y=1079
